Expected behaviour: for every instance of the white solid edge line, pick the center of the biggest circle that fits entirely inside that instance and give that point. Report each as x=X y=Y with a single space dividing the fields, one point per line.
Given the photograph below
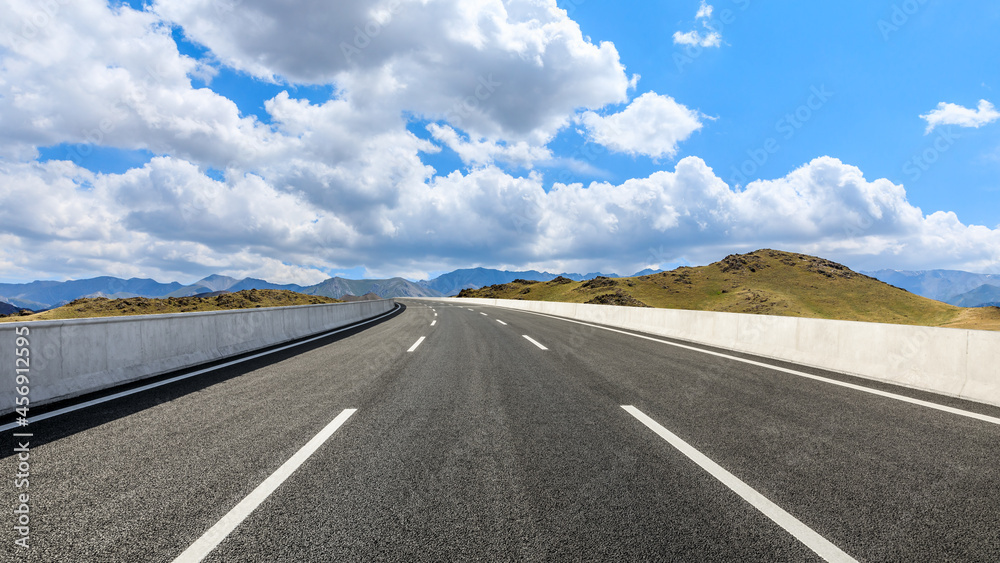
x=415 y=344
x=100 y=400
x=210 y=539
x=533 y=341
x=928 y=404
x=823 y=547
x=433 y=323
x=501 y=322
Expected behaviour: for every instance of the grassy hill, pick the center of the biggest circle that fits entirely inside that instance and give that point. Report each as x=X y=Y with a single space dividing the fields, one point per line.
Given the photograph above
x=103 y=307
x=769 y=282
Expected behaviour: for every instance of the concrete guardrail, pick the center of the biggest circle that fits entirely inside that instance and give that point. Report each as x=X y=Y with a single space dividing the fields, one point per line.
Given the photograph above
x=74 y=357
x=956 y=362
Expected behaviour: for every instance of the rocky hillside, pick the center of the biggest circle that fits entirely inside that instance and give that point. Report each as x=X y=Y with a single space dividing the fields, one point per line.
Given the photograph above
x=766 y=281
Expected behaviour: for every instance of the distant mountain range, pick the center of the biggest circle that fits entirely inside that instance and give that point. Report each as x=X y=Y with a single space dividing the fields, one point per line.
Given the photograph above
x=983 y=296
x=956 y=287
x=42 y=295
x=392 y=287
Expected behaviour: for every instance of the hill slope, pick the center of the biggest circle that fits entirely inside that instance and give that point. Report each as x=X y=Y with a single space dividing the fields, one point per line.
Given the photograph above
x=103 y=307
x=763 y=282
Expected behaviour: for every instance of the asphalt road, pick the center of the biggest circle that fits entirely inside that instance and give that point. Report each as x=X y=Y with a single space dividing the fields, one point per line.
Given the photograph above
x=479 y=444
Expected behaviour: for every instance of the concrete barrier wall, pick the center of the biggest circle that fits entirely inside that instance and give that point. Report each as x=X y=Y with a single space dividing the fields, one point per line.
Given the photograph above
x=956 y=362
x=74 y=357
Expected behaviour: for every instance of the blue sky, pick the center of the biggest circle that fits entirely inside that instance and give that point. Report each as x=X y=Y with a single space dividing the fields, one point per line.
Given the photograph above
x=176 y=139
x=775 y=53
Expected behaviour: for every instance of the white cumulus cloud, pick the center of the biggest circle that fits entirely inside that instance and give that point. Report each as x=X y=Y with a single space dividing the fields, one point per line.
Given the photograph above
x=468 y=63
x=954 y=114
x=651 y=125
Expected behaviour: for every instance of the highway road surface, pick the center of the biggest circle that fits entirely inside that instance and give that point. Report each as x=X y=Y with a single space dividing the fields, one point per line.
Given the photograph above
x=468 y=433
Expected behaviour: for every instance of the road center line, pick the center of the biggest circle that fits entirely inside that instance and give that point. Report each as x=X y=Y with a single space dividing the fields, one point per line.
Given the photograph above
x=533 y=341
x=501 y=322
x=792 y=525
x=481 y=313
x=207 y=542
x=904 y=398
x=415 y=344
x=433 y=323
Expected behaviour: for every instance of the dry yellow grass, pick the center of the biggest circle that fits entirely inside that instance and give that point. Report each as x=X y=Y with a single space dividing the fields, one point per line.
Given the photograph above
x=102 y=307
x=979 y=318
